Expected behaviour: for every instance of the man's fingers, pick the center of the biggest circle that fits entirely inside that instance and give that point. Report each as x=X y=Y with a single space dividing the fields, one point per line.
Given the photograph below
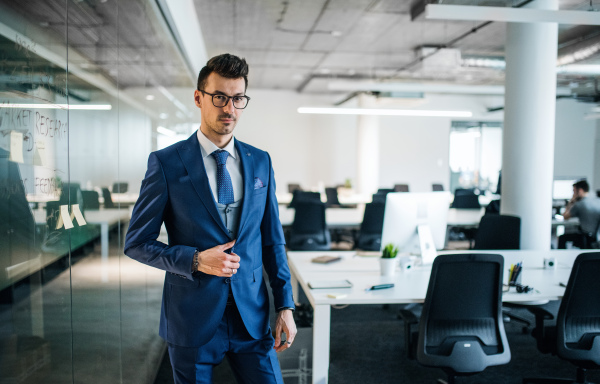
x=225 y=246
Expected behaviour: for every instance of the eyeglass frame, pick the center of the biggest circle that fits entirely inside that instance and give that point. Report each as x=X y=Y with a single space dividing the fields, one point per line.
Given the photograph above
x=228 y=98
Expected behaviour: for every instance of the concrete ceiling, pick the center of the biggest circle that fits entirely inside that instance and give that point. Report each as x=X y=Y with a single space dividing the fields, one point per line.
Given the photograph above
x=300 y=45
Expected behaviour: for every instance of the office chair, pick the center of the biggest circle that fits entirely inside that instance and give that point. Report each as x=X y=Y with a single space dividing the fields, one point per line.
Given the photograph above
x=401 y=188
x=369 y=235
x=294 y=187
x=300 y=196
x=576 y=335
x=108 y=203
x=385 y=190
x=466 y=201
x=501 y=232
x=464 y=191
x=91 y=200
x=309 y=230
x=498 y=232
x=461 y=329
x=333 y=201
x=120 y=187
x=437 y=187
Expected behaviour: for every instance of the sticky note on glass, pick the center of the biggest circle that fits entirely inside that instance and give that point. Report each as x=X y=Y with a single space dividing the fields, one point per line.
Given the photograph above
x=66 y=217
x=78 y=214
x=39 y=156
x=16 y=147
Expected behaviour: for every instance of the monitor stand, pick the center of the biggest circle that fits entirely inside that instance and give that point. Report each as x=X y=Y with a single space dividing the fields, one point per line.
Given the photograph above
x=428 y=252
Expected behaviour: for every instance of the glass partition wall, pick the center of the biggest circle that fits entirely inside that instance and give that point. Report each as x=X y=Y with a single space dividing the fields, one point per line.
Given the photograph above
x=78 y=115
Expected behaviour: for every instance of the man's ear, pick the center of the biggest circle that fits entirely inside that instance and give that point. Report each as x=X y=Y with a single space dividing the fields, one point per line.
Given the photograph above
x=198 y=98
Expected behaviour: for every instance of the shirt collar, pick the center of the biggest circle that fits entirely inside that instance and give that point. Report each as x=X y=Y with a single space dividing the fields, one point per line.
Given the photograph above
x=208 y=147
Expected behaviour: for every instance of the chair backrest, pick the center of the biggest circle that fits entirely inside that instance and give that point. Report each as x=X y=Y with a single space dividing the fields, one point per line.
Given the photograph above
x=294 y=187
x=108 y=203
x=371 y=228
x=401 y=188
x=309 y=229
x=300 y=196
x=498 y=232
x=385 y=190
x=71 y=194
x=464 y=191
x=466 y=201
x=120 y=187
x=578 y=321
x=90 y=200
x=332 y=196
x=437 y=187
x=461 y=328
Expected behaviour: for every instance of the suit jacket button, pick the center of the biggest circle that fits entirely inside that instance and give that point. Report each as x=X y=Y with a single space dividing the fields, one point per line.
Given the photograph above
x=227 y=280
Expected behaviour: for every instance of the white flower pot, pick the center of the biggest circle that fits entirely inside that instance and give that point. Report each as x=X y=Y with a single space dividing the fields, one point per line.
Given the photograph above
x=388 y=266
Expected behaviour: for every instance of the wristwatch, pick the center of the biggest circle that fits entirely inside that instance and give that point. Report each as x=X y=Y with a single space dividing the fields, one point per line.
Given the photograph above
x=195 y=262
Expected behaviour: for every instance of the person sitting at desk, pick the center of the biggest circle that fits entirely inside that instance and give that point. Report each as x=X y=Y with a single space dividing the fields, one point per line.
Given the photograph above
x=587 y=210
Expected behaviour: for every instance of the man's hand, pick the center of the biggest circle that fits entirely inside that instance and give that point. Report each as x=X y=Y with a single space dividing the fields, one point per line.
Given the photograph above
x=214 y=261
x=285 y=323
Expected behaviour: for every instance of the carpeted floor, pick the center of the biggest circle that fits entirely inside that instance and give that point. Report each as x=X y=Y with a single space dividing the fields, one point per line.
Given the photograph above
x=367 y=346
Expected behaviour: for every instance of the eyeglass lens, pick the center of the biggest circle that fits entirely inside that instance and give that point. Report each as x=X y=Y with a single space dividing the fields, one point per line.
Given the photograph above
x=238 y=101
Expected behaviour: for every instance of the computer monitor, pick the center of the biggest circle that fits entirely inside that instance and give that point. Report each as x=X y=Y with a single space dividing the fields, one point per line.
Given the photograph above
x=563 y=189
x=413 y=218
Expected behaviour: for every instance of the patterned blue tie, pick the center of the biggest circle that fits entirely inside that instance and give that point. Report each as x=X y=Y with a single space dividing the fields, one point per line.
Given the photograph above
x=224 y=186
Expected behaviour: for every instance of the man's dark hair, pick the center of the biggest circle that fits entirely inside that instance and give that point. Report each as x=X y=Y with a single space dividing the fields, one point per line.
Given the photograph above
x=226 y=65
x=582 y=184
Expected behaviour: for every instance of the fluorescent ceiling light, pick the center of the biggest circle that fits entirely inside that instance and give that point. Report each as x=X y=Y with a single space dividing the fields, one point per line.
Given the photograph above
x=384 y=112
x=165 y=131
x=87 y=107
x=510 y=15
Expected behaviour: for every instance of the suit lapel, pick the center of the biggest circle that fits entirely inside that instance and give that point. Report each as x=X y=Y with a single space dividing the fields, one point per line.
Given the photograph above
x=191 y=156
x=248 y=175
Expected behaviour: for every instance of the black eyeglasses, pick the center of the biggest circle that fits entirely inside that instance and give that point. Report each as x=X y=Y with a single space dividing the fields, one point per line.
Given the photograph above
x=219 y=101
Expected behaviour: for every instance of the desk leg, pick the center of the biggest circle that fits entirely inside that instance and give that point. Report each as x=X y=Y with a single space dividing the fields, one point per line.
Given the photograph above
x=104 y=250
x=321 y=330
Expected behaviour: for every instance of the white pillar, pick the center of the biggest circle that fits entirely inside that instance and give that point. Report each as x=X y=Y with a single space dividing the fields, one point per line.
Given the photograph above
x=529 y=117
x=367 y=149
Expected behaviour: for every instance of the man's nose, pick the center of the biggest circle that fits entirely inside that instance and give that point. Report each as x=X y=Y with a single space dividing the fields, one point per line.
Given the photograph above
x=229 y=106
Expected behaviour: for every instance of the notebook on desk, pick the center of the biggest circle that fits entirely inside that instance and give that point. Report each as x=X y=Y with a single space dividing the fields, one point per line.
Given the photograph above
x=329 y=284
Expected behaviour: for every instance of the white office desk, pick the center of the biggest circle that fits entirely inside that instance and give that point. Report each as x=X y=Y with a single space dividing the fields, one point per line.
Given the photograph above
x=411 y=287
x=106 y=218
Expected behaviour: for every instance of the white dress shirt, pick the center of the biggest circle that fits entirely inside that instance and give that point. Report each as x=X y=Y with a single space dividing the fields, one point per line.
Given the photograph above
x=234 y=166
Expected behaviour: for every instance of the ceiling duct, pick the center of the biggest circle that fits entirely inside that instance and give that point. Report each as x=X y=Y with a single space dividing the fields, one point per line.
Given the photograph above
x=438 y=59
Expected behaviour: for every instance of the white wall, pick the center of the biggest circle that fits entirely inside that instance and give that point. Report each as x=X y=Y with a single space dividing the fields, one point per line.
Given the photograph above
x=109 y=146
x=575 y=141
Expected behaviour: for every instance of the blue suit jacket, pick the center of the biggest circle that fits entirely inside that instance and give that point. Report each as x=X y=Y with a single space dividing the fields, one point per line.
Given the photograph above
x=176 y=191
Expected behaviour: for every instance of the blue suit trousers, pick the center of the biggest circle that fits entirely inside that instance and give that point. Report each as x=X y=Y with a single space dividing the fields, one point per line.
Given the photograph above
x=253 y=361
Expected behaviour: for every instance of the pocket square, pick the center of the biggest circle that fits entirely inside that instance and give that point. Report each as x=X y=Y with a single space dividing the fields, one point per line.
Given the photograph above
x=258 y=183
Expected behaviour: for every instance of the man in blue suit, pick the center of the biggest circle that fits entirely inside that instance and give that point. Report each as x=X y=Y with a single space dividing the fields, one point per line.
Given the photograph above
x=216 y=197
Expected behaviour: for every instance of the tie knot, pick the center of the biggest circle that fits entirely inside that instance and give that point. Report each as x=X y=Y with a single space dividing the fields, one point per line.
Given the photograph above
x=220 y=156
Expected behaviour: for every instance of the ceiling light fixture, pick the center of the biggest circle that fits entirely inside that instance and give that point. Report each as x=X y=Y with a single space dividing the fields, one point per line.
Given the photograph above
x=166 y=131
x=86 y=107
x=384 y=112
x=509 y=15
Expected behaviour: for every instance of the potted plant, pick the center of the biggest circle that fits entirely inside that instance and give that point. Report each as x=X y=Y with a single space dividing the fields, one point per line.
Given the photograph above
x=388 y=260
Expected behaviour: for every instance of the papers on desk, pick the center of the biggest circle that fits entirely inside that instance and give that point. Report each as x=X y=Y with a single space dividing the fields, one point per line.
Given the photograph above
x=329 y=284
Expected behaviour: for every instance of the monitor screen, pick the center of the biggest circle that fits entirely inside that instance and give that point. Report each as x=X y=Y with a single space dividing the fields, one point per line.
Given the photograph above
x=563 y=189
x=405 y=212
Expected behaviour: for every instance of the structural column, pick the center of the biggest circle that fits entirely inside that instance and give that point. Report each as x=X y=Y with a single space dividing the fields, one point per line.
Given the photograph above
x=529 y=119
x=367 y=149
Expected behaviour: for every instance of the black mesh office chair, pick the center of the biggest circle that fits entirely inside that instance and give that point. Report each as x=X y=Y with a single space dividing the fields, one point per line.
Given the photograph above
x=108 y=203
x=498 y=232
x=309 y=230
x=576 y=335
x=91 y=200
x=120 y=187
x=300 y=196
x=333 y=201
x=437 y=187
x=466 y=201
x=369 y=235
x=294 y=187
x=401 y=188
x=461 y=329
